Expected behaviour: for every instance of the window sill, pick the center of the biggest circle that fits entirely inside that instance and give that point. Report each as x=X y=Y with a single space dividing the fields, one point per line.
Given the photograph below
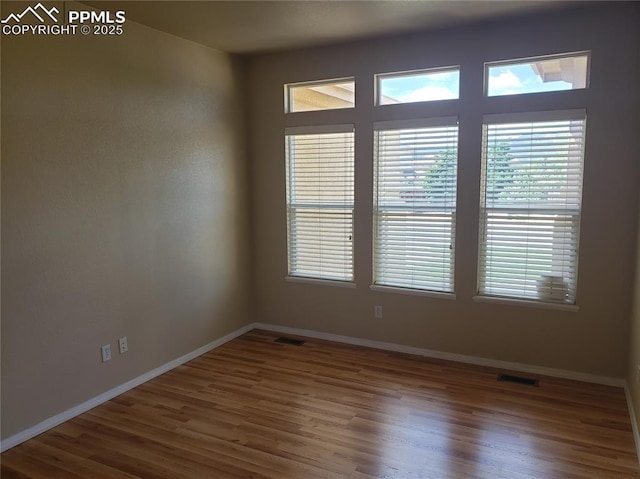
x=525 y=303
x=320 y=282
x=412 y=292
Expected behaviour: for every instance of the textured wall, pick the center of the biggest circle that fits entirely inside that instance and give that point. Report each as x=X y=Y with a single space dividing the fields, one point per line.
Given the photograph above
x=592 y=340
x=124 y=211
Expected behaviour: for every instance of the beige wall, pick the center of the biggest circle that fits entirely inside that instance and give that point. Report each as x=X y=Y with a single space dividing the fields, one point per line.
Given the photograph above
x=123 y=211
x=594 y=339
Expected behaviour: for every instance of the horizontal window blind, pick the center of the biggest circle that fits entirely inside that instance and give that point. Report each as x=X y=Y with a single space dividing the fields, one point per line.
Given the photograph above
x=320 y=166
x=415 y=203
x=531 y=197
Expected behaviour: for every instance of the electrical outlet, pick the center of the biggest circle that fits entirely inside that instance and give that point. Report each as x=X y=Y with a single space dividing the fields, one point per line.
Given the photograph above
x=122 y=344
x=377 y=312
x=106 y=353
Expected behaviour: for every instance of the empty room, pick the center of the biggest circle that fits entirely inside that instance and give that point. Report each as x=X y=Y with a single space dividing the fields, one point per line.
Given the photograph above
x=320 y=239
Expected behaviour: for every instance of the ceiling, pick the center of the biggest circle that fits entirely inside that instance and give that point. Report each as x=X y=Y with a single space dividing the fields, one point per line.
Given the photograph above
x=251 y=27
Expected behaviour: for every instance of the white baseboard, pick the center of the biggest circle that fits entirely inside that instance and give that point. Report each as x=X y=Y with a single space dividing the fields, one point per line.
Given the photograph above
x=632 y=416
x=110 y=394
x=461 y=358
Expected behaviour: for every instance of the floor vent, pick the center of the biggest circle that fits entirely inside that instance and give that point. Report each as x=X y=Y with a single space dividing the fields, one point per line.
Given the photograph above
x=518 y=379
x=285 y=340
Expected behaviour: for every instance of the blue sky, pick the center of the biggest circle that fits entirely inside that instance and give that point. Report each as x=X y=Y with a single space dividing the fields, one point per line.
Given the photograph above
x=514 y=79
x=503 y=80
x=422 y=87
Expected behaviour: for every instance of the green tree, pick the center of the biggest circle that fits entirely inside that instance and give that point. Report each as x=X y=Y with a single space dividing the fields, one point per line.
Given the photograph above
x=438 y=177
x=501 y=179
x=500 y=171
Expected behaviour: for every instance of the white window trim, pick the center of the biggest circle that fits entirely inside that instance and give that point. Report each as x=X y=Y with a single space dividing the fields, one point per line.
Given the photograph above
x=535 y=116
x=517 y=61
x=319 y=129
x=526 y=117
x=408 y=73
x=320 y=282
x=288 y=86
x=412 y=292
x=312 y=130
x=415 y=123
x=430 y=122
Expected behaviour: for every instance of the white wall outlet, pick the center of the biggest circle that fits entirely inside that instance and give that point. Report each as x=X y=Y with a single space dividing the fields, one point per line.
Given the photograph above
x=106 y=353
x=377 y=312
x=122 y=344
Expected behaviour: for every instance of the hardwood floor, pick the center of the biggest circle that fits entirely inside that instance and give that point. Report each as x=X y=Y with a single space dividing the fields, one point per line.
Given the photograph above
x=254 y=408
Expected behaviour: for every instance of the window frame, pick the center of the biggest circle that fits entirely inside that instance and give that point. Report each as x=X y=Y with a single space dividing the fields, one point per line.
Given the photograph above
x=288 y=96
x=525 y=60
x=414 y=125
x=293 y=275
x=579 y=114
x=410 y=73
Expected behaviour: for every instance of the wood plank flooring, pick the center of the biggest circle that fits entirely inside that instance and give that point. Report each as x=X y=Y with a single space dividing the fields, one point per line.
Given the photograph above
x=254 y=408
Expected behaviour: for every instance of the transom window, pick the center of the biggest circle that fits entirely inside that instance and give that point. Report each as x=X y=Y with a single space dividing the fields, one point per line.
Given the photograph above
x=320 y=95
x=417 y=86
x=568 y=71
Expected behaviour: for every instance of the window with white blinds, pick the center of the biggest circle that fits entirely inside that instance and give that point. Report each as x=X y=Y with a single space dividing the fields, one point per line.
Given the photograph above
x=415 y=203
x=531 y=195
x=320 y=164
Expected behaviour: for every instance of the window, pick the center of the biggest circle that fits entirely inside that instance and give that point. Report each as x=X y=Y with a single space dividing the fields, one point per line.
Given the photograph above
x=415 y=203
x=424 y=85
x=320 y=162
x=535 y=75
x=321 y=95
x=531 y=196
